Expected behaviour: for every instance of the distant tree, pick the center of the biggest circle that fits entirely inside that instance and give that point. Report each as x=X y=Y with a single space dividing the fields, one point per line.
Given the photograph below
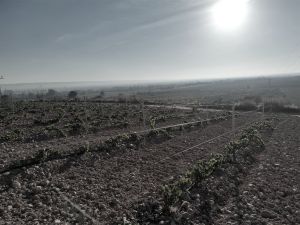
x=30 y=95
x=72 y=94
x=121 y=97
x=39 y=96
x=102 y=94
x=255 y=98
x=51 y=93
x=133 y=99
x=8 y=92
x=258 y=99
x=5 y=98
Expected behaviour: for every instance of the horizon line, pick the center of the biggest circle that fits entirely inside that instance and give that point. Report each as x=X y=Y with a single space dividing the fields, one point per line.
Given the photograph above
x=160 y=80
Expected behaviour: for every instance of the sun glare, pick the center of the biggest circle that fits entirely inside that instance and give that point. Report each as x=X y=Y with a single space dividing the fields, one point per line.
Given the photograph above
x=230 y=14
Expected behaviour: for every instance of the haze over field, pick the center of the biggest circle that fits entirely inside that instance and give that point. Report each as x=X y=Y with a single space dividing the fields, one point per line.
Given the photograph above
x=73 y=40
x=149 y=112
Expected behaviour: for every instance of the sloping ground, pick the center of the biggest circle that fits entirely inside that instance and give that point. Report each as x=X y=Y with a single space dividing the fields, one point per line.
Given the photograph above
x=104 y=186
x=108 y=187
x=12 y=151
x=270 y=194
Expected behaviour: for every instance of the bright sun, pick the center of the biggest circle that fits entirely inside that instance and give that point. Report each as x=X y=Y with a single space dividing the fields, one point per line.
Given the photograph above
x=230 y=14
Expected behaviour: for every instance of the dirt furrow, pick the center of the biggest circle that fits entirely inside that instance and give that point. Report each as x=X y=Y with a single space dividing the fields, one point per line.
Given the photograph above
x=105 y=186
x=18 y=151
x=270 y=194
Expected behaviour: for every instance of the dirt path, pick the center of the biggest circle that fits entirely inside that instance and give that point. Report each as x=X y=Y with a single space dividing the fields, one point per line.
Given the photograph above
x=270 y=194
x=201 y=109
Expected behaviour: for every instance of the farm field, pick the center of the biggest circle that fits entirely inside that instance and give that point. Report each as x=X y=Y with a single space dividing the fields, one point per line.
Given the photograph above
x=68 y=126
x=101 y=163
x=149 y=112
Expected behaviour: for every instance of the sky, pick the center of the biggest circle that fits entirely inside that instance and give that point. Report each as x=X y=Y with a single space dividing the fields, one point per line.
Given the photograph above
x=101 y=40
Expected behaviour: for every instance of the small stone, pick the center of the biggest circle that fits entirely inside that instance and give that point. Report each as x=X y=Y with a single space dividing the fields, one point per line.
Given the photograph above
x=39 y=188
x=17 y=205
x=261 y=194
x=246 y=215
x=267 y=214
x=250 y=205
x=44 y=183
x=66 y=187
x=173 y=209
x=125 y=221
x=185 y=205
x=57 y=221
x=16 y=185
x=9 y=207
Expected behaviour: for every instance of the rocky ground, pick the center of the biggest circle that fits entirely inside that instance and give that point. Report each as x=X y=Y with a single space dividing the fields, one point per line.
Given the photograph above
x=12 y=150
x=103 y=188
x=270 y=193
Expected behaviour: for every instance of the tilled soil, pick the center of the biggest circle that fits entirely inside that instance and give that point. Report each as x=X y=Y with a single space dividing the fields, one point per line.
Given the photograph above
x=17 y=151
x=21 y=136
x=270 y=194
x=107 y=187
x=104 y=186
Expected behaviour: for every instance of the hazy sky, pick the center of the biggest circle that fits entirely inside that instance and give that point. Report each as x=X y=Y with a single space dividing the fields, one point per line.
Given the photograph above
x=93 y=40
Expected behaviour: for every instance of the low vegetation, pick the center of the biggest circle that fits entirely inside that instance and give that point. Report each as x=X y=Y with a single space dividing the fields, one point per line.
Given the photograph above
x=177 y=197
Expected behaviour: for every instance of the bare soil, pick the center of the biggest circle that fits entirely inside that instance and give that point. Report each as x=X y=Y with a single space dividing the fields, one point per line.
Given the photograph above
x=105 y=187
